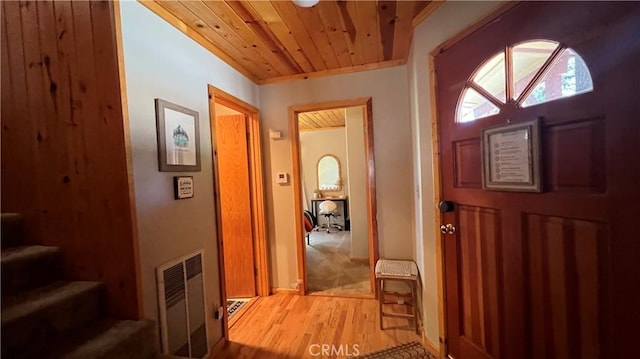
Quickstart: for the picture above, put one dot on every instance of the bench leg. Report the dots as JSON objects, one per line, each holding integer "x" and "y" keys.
{"x": 380, "y": 299}
{"x": 414, "y": 296}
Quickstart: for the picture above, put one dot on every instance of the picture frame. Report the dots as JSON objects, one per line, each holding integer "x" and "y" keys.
{"x": 178, "y": 135}
{"x": 182, "y": 187}
{"x": 511, "y": 157}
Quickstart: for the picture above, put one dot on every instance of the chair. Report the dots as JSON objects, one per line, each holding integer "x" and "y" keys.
{"x": 310, "y": 223}
{"x": 401, "y": 270}
{"x": 328, "y": 209}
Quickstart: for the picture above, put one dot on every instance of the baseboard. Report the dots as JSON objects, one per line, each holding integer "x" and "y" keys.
{"x": 217, "y": 348}
{"x": 360, "y": 260}
{"x": 431, "y": 348}
{"x": 284, "y": 290}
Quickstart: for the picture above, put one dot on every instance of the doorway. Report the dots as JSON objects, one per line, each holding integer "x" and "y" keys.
{"x": 541, "y": 274}
{"x": 239, "y": 197}
{"x": 334, "y": 186}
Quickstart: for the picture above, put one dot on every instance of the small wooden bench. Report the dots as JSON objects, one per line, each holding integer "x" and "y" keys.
{"x": 400, "y": 270}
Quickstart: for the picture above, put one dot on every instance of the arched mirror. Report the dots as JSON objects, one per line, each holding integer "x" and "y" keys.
{"x": 329, "y": 178}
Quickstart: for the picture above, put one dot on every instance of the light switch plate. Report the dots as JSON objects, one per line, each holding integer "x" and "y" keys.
{"x": 282, "y": 178}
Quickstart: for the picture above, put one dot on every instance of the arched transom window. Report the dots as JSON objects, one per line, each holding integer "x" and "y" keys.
{"x": 527, "y": 74}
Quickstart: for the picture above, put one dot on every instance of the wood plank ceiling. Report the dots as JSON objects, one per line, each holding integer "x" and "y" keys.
{"x": 274, "y": 41}
{"x": 315, "y": 120}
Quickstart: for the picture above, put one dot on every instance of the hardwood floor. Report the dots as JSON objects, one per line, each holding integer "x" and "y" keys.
{"x": 290, "y": 327}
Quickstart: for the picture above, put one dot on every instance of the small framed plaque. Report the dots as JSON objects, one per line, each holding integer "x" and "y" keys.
{"x": 511, "y": 157}
{"x": 182, "y": 187}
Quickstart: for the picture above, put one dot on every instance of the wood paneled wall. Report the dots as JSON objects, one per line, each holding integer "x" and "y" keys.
{"x": 64, "y": 161}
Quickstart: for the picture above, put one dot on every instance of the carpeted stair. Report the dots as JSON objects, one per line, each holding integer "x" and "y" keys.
{"x": 45, "y": 316}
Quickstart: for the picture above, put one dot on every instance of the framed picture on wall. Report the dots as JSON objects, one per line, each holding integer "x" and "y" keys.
{"x": 511, "y": 157}
{"x": 178, "y": 132}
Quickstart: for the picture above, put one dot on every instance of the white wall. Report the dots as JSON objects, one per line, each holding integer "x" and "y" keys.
{"x": 357, "y": 168}
{"x": 393, "y": 159}
{"x": 314, "y": 145}
{"x": 161, "y": 62}
{"x": 448, "y": 20}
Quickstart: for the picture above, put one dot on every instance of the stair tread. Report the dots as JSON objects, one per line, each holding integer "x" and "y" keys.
{"x": 21, "y": 252}
{"x": 100, "y": 338}
{"x": 20, "y": 305}
{"x": 12, "y": 230}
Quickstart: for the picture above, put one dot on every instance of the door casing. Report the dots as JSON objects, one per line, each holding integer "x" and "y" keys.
{"x": 261, "y": 255}
{"x": 370, "y": 188}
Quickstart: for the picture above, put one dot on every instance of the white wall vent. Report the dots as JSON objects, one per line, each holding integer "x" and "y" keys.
{"x": 182, "y": 307}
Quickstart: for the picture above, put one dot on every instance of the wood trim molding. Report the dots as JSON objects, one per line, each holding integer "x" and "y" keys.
{"x": 193, "y": 35}
{"x": 359, "y": 260}
{"x": 128, "y": 151}
{"x": 372, "y": 218}
{"x": 283, "y": 290}
{"x": 484, "y": 21}
{"x": 343, "y": 295}
{"x": 437, "y": 188}
{"x": 221, "y": 97}
{"x": 261, "y": 252}
{"x": 296, "y": 174}
{"x": 425, "y": 12}
{"x": 331, "y": 72}
{"x": 431, "y": 348}
{"x": 374, "y": 253}
{"x": 361, "y": 101}
{"x": 216, "y": 199}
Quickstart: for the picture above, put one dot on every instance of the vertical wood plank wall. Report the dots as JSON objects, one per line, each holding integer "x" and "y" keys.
{"x": 63, "y": 146}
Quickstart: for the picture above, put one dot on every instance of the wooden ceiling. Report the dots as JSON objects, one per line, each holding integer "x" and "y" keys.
{"x": 273, "y": 41}
{"x": 316, "y": 120}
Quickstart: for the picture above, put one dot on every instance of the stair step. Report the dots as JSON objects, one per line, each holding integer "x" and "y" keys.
{"x": 111, "y": 339}
{"x": 46, "y": 314}
{"x": 11, "y": 229}
{"x": 28, "y": 267}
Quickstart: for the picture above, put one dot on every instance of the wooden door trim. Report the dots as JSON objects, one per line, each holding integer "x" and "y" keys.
{"x": 484, "y": 21}
{"x": 129, "y": 153}
{"x": 218, "y": 96}
{"x": 437, "y": 197}
{"x": 437, "y": 170}
{"x": 372, "y": 206}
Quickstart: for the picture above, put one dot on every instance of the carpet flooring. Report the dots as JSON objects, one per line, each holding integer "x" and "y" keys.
{"x": 329, "y": 267}
{"x": 411, "y": 350}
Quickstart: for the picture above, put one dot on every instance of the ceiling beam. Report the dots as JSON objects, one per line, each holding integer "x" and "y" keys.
{"x": 338, "y": 71}
{"x": 387, "y": 21}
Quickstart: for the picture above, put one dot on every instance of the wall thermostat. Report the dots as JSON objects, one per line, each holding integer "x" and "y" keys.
{"x": 275, "y": 135}
{"x": 282, "y": 178}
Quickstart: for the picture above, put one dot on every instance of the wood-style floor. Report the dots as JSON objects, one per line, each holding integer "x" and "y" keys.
{"x": 289, "y": 326}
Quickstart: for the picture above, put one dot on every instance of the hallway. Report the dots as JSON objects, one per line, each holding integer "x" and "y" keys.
{"x": 329, "y": 266}
{"x": 287, "y": 326}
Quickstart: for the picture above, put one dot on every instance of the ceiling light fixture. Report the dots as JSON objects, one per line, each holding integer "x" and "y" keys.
{"x": 305, "y": 3}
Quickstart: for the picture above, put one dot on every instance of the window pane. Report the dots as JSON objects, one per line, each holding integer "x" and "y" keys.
{"x": 490, "y": 77}
{"x": 528, "y": 58}
{"x": 474, "y": 106}
{"x": 568, "y": 76}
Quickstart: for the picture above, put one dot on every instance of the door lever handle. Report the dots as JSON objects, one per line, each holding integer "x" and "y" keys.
{"x": 447, "y": 228}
